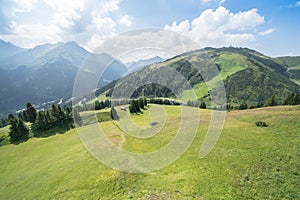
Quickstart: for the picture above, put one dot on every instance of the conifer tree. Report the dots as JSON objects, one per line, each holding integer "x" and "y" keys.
{"x": 202, "y": 105}
{"x": 272, "y": 101}
{"x": 22, "y": 129}
{"x": 243, "y": 106}
{"x": 40, "y": 122}
{"x": 141, "y": 103}
{"x": 61, "y": 116}
{"x": 68, "y": 114}
{"x": 18, "y": 130}
{"x": 55, "y": 115}
{"x": 31, "y": 113}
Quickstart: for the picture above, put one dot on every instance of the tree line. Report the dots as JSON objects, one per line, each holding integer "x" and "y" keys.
{"x": 137, "y": 105}
{"x": 292, "y": 99}
{"x": 40, "y": 121}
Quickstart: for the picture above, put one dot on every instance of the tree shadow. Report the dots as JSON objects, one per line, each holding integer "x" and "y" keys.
{"x": 20, "y": 141}
{"x": 53, "y": 131}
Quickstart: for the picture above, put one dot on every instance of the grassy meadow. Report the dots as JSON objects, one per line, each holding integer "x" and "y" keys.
{"x": 248, "y": 162}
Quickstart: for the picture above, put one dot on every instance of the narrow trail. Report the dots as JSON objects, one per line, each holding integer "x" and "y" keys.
{"x": 121, "y": 134}
{"x": 291, "y": 78}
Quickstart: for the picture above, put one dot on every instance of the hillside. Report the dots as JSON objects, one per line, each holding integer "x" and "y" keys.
{"x": 247, "y": 162}
{"x": 248, "y": 76}
{"x": 293, "y": 65}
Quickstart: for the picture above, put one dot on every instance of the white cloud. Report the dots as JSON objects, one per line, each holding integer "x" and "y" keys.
{"x": 220, "y": 27}
{"x": 86, "y": 22}
{"x": 298, "y": 3}
{"x": 30, "y": 35}
{"x": 209, "y": 1}
{"x": 23, "y": 5}
{"x": 266, "y": 32}
{"x": 111, "y": 5}
{"x": 100, "y": 29}
{"x": 65, "y": 13}
{"x": 222, "y": 2}
{"x": 126, "y": 20}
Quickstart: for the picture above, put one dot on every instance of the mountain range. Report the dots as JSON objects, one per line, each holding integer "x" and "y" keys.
{"x": 45, "y": 73}
{"x": 140, "y": 64}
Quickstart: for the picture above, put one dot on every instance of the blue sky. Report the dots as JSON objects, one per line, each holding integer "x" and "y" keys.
{"x": 269, "y": 26}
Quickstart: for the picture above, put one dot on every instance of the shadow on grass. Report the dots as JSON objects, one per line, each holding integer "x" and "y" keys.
{"x": 20, "y": 141}
{"x": 53, "y": 131}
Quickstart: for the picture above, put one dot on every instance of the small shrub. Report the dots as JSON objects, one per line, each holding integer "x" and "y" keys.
{"x": 261, "y": 124}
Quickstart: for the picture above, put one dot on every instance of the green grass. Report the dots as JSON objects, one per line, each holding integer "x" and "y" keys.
{"x": 248, "y": 162}
{"x": 230, "y": 62}
{"x": 296, "y": 74}
{"x": 4, "y": 135}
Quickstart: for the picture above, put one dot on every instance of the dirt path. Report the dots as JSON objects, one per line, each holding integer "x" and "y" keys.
{"x": 121, "y": 134}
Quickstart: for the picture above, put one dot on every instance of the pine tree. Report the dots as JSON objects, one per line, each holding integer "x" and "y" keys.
{"x": 287, "y": 101}
{"x": 145, "y": 101}
{"x": 49, "y": 122}
{"x": 141, "y": 103}
{"x": 18, "y": 130}
{"x": 54, "y": 115}
{"x": 20, "y": 116}
{"x": 107, "y": 103}
{"x": 31, "y": 113}
{"x": 97, "y": 105}
{"x": 25, "y": 118}
{"x": 243, "y": 106}
{"x": 10, "y": 118}
{"x": 137, "y": 106}
{"x": 40, "y": 122}
{"x": 293, "y": 99}
{"x": 22, "y": 129}
{"x": 272, "y": 101}
{"x": 203, "y": 105}
{"x": 132, "y": 107}
{"x": 61, "y": 116}
{"x": 13, "y": 130}
{"x": 297, "y": 100}
{"x": 68, "y": 114}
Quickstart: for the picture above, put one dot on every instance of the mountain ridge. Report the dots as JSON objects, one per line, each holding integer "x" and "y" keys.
{"x": 249, "y": 76}
{"x": 8, "y": 49}
{"x": 46, "y": 73}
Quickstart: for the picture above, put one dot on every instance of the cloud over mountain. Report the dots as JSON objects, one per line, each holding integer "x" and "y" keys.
{"x": 220, "y": 27}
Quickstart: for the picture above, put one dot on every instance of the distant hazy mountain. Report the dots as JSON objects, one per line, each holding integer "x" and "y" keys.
{"x": 135, "y": 66}
{"x": 47, "y": 72}
{"x": 8, "y": 49}
{"x": 44, "y": 54}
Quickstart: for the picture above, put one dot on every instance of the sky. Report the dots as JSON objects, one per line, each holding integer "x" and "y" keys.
{"x": 269, "y": 26}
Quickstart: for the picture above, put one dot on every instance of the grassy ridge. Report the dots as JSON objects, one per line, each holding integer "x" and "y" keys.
{"x": 248, "y": 76}
{"x": 247, "y": 162}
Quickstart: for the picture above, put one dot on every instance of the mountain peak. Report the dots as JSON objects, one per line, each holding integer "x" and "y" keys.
{"x": 8, "y": 49}
{"x": 43, "y": 54}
